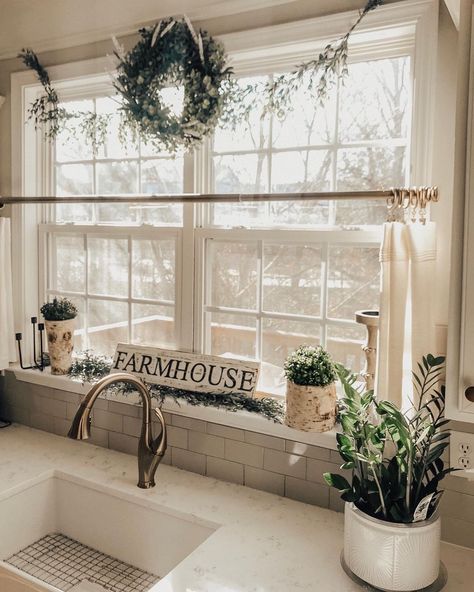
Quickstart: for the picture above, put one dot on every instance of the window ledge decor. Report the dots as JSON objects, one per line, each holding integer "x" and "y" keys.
{"x": 173, "y": 54}
{"x": 89, "y": 368}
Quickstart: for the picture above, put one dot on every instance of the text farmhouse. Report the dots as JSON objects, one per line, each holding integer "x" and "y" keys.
{"x": 193, "y": 372}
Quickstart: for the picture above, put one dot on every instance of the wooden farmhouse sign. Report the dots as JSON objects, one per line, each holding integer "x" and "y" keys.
{"x": 191, "y": 372}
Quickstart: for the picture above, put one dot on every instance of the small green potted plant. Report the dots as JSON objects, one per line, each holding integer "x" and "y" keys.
{"x": 310, "y": 390}
{"x": 59, "y": 316}
{"x": 392, "y": 528}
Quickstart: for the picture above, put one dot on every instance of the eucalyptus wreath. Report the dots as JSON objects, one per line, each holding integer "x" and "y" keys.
{"x": 173, "y": 54}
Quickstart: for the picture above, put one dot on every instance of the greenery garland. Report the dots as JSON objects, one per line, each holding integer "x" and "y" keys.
{"x": 90, "y": 368}
{"x": 173, "y": 53}
{"x": 52, "y": 118}
{"x": 317, "y": 76}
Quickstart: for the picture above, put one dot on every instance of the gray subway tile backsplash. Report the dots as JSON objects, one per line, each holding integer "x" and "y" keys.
{"x": 260, "y": 461}
{"x": 265, "y": 480}
{"x": 206, "y": 444}
{"x": 247, "y": 454}
{"x": 225, "y": 470}
{"x": 188, "y": 460}
{"x": 284, "y": 463}
{"x": 309, "y": 493}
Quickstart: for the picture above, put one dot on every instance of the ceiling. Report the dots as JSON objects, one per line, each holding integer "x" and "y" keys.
{"x": 54, "y": 24}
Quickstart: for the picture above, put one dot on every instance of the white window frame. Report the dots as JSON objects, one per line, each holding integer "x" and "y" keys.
{"x": 412, "y": 22}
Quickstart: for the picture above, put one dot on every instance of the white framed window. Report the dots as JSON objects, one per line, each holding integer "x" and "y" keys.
{"x": 246, "y": 280}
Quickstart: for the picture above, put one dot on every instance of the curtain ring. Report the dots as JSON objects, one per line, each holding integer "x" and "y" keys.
{"x": 401, "y": 205}
{"x": 413, "y": 202}
{"x": 422, "y": 203}
{"x": 392, "y": 200}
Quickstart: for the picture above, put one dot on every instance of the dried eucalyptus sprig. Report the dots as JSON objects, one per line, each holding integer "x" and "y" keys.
{"x": 90, "y": 367}
{"x": 45, "y": 110}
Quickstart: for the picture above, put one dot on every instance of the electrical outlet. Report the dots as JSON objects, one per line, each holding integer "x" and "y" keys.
{"x": 461, "y": 448}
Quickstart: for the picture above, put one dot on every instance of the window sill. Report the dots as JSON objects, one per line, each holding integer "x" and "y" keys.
{"x": 239, "y": 419}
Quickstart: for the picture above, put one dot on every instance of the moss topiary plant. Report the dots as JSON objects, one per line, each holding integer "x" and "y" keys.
{"x": 60, "y": 309}
{"x": 310, "y": 366}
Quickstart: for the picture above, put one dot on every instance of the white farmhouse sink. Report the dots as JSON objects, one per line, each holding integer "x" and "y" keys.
{"x": 120, "y": 525}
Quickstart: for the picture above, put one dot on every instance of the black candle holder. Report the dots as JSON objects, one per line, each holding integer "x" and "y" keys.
{"x": 44, "y": 358}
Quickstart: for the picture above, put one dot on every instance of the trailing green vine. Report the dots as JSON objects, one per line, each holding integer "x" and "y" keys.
{"x": 317, "y": 76}
{"x": 88, "y": 368}
{"x": 173, "y": 53}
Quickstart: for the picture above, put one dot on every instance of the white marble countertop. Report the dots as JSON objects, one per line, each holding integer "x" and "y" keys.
{"x": 266, "y": 543}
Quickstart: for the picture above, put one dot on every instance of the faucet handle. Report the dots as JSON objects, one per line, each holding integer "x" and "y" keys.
{"x": 161, "y": 442}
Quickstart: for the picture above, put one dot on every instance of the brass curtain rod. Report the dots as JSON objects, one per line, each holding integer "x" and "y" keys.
{"x": 431, "y": 194}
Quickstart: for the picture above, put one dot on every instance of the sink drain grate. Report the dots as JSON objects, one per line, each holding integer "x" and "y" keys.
{"x": 64, "y": 563}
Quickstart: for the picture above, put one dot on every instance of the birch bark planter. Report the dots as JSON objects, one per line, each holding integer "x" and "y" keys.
{"x": 60, "y": 344}
{"x": 392, "y": 557}
{"x": 310, "y": 408}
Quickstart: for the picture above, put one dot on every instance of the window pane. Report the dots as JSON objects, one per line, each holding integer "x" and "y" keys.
{"x": 233, "y": 271}
{"x": 117, "y": 178}
{"x": 245, "y": 214}
{"x": 74, "y": 179}
{"x": 345, "y": 343}
{"x": 374, "y": 100}
{"x": 370, "y": 168}
{"x": 281, "y": 337}
{"x": 361, "y": 212}
{"x": 164, "y": 175}
{"x": 80, "y": 337}
{"x": 307, "y": 124}
{"x": 108, "y": 266}
{"x": 301, "y": 171}
{"x": 70, "y": 263}
{"x": 108, "y": 325}
{"x": 114, "y": 148}
{"x": 292, "y": 279}
{"x": 243, "y": 173}
{"x": 299, "y": 213}
{"x": 232, "y": 334}
{"x": 74, "y": 213}
{"x": 153, "y": 269}
{"x": 251, "y": 130}
{"x": 153, "y": 325}
{"x": 70, "y": 143}
{"x": 353, "y": 281}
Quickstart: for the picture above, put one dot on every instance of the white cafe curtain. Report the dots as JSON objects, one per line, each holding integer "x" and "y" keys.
{"x": 406, "y": 326}
{"x": 7, "y": 337}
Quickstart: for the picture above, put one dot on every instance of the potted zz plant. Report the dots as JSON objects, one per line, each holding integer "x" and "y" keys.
{"x": 59, "y": 316}
{"x": 392, "y": 528}
{"x": 310, "y": 390}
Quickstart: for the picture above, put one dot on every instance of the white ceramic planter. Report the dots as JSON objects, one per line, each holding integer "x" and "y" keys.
{"x": 394, "y": 557}
{"x": 60, "y": 344}
{"x": 310, "y": 408}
